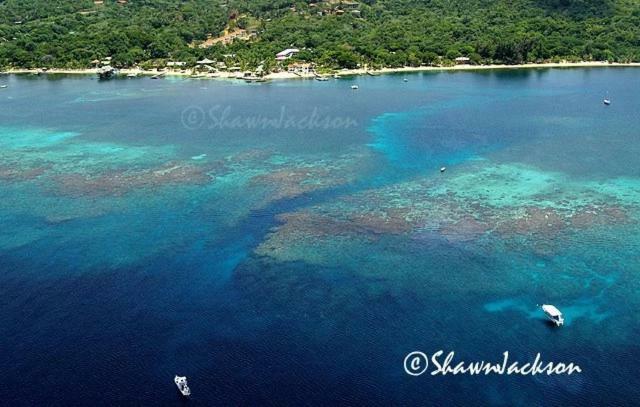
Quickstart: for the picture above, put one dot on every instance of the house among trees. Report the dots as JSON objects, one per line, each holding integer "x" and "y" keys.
{"x": 205, "y": 61}
{"x": 462, "y": 60}
{"x": 286, "y": 54}
{"x": 349, "y": 5}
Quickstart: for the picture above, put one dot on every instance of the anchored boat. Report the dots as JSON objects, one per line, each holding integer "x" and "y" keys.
{"x": 181, "y": 382}
{"x": 254, "y": 79}
{"x": 553, "y": 314}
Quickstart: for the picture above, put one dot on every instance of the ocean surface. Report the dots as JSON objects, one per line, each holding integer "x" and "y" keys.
{"x": 289, "y": 243}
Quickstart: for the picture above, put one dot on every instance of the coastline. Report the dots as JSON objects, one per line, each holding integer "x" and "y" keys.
{"x": 344, "y": 72}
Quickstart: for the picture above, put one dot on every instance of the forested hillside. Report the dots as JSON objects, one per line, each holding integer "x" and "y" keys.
{"x": 72, "y": 33}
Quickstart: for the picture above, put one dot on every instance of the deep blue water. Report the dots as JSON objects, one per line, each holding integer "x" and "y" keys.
{"x": 293, "y": 265}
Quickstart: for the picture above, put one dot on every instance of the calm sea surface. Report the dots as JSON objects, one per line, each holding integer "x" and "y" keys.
{"x": 290, "y": 243}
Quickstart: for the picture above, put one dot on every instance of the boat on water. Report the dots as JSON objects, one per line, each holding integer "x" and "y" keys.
{"x": 251, "y": 79}
{"x": 354, "y": 87}
{"x": 107, "y": 72}
{"x": 336, "y": 76}
{"x": 158, "y": 76}
{"x": 443, "y": 169}
{"x": 183, "y": 387}
{"x": 3, "y": 86}
{"x": 607, "y": 101}
{"x": 322, "y": 78}
{"x": 553, "y": 314}
{"x": 132, "y": 75}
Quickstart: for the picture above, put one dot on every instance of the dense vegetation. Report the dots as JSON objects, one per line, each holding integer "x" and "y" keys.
{"x": 72, "y": 33}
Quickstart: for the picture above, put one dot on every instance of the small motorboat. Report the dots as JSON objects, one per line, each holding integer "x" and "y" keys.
{"x": 322, "y": 78}
{"x": 336, "y": 76}
{"x": 406, "y": 80}
{"x": 3, "y": 86}
{"x": 181, "y": 382}
{"x": 253, "y": 79}
{"x": 443, "y": 169}
{"x": 607, "y": 101}
{"x": 553, "y": 314}
{"x": 354, "y": 87}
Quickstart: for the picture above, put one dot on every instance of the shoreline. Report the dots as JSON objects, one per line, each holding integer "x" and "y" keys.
{"x": 341, "y": 73}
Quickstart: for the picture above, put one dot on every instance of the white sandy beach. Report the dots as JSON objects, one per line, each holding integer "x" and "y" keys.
{"x": 344, "y": 72}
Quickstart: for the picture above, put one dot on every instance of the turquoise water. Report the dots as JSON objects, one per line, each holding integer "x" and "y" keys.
{"x": 159, "y": 227}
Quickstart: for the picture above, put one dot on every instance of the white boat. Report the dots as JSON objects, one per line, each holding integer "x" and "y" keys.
{"x": 406, "y": 80}
{"x": 553, "y": 314}
{"x": 181, "y": 382}
{"x": 336, "y": 76}
{"x": 607, "y": 101}
{"x": 354, "y": 87}
{"x": 132, "y": 75}
{"x": 443, "y": 169}
{"x": 3, "y": 86}
{"x": 253, "y": 78}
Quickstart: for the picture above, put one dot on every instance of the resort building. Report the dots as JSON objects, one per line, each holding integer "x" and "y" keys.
{"x": 301, "y": 68}
{"x": 286, "y": 54}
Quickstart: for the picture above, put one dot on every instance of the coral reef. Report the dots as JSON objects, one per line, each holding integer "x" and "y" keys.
{"x": 506, "y": 202}
{"x": 119, "y": 182}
